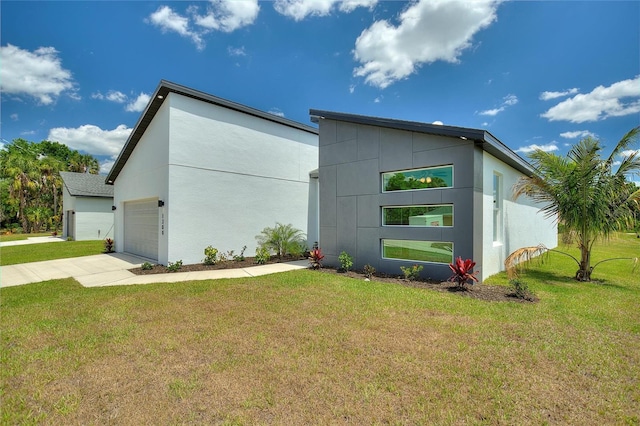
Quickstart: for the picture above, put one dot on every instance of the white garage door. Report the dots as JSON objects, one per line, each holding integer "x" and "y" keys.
{"x": 141, "y": 228}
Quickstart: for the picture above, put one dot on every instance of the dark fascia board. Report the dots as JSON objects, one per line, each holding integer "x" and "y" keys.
{"x": 160, "y": 94}
{"x": 481, "y": 138}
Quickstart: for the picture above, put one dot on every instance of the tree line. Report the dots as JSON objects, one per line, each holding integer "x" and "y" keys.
{"x": 31, "y": 186}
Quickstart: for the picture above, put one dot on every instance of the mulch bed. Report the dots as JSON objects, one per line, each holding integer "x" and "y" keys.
{"x": 490, "y": 293}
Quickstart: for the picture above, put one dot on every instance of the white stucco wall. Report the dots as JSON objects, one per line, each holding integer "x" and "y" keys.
{"x": 68, "y": 205}
{"x": 91, "y": 216}
{"x": 523, "y": 225}
{"x": 230, "y": 176}
{"x": 145, "y": 175}
{"x": 94, "y": 218}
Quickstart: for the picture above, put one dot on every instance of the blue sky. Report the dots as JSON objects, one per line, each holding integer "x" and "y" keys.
{"x": 535, "y": 74}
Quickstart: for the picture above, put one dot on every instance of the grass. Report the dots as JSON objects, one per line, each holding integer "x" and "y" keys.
{"x": 12, "y": 255}
{"x": 18, "y": 237}
{"x": 310, "y": 348}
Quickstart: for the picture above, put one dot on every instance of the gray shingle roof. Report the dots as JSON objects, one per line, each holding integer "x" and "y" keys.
{"x": 86, "y": 185}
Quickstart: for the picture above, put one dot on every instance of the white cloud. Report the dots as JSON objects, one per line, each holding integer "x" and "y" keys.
{"x": 112, "y": 95}
{"x": 378, "y": 99}
{"x": 577, "y": 134}
{"x": 92, "y": 139}
{"x": 38, "y": 74}
{"x": 492, "y": 112}
{"x": 545, "y": 96}
{"x": 352, "y": 88}
{"x": 601, "y": 103}
{"x": 546, "y": 148}
{"x": 507, "y": 101}
{"x": 106, "y": 165}
{"x": 116, "y": 96}
{"x": 428, "y": 31}
{"x": 14, "y": 117}
{"x": 510, "y": 100}
{"x": 300, "y": 9}
{"x": 629, "y": 152}
{"x": 616, "y": 163}
{"x": 220, "y": 15}
{"x": 236, "y": 51}
{"x": 276, "y": 111}
{"x": 169, "y": 21}
{"x": 139, "y": 104}
{"x": 228, "y": 16}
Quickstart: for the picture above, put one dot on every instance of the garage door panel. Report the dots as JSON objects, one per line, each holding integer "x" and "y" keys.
{"x": 141, "y": 228}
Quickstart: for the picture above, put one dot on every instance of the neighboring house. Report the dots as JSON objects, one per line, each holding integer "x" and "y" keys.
{"x": 87, "y": 204}
{"x": 396, "y": 193}
{"x": 198, "y": 170}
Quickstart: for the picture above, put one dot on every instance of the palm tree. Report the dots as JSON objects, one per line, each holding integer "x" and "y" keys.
{"x": 83, "y": 163}
{"x": 18, "y": 164}
{"x": 583, "y": 192}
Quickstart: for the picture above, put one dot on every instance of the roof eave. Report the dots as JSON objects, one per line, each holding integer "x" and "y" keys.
{"x": 481, "y": 138}
{"x": 157, "y": 99}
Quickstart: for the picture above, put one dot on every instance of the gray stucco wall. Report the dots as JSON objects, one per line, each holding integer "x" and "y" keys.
{"x": 352, "y": 158}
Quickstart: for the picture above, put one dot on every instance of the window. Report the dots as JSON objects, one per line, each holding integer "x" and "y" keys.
{"x": 497, "y": 208}
{"x": 425, "y": 216}
{"x": 421, "y": 251}
{"x": 407, "y": 180}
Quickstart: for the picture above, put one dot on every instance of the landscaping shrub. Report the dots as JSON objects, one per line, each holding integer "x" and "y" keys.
{"x": 520, "y": 289}
{"x": 315, "y": 258}
{"x": 411, "y": 273}
{"x": 240, "y": 257}
{"x": 368, "y": 271}
{"x": 174, "y": 266}
{"x": 346, "y": 261}
{"x": 281, "y": 239}
{"x": 210, "y": 256}
{"x": 146, "y": 266}
{"x": 463, "y": 272}
{"x": 262, "y": 255}
{"x": 108, "y": 245}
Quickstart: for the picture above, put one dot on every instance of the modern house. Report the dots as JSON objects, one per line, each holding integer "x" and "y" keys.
{"x": 396, "y": 193}
{"x": 87, "y": 202}
{"x": 198, "y": 170}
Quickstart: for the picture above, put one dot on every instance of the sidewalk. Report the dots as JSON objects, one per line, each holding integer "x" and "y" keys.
{"x": 112, "y": 269}
{"x": 32, "y": 240}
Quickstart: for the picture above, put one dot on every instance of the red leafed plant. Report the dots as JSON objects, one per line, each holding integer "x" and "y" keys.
{"x": 463, "y": 272}
{"x": 315, "y": 258}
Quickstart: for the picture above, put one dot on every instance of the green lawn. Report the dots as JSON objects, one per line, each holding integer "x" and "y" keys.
{"x": 17, "y": 237}
{"x": 305, "y": 347}
{"x": 12, "y": 255}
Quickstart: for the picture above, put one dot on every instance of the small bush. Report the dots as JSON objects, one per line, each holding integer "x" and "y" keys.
{"x": 520, "y": 289}
{"x": 262, "y": 255}
{"x": 108, "y": 245}
{"x": 315, "y": 258}
{"x": 240, "y": 257}
{"x": 298, "y": 248}
{"x": 282, "y": 239}
{"x": 146, "y": 266}
{"x": 226, "y": 256}
{"x": 463, "y": 272}
{"x": 411, "y": 273}
{"x": 346, "y": 261}
{"x": 174, "y": 266}
{"x": 368, "y": 271}
{"x": 210, "y": 256}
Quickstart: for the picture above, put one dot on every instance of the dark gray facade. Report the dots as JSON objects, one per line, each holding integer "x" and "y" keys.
{"x": 356, "y": 150}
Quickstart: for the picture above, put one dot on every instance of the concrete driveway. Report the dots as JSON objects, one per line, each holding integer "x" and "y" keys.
{"x": 112, "y": 269}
